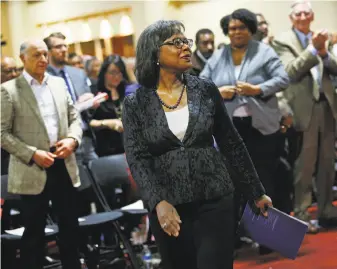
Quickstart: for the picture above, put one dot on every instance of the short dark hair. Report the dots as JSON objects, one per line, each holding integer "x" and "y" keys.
{"x": 47, "y": 40}
{"x": 118, "y": 61}
{"x": 88, "y": 64}
{"x": 146, "y": 68}
{"x": 72, "y": 55}
{"x": 247, "y": 17}
{"x": 202, "y": 32}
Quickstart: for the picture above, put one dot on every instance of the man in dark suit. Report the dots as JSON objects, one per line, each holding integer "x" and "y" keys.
{"x": 204, "y": 40}
{"x": 78, "y": 86}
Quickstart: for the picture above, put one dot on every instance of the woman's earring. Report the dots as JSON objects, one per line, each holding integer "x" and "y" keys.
{"x": 157, "y": 63}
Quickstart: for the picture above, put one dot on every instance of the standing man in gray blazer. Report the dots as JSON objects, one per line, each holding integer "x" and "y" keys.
{"x": 78, "y": 88}
{"x": 41, "y": 130}
{"x": 313, "y": 100}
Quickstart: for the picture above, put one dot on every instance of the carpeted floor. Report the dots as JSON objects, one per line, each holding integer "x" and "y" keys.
{"x": 317, "y": 252}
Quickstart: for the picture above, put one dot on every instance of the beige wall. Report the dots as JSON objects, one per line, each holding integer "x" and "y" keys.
{"x": 208, "y": 15}
{"x": 7, "y": 49}
{"x": 23, "y": 17}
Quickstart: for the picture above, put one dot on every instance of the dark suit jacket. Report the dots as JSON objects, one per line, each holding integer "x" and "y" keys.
{"x": 166, "y": 168}
{"x": 198, "y": 64}
{"x": 79, "y": 81}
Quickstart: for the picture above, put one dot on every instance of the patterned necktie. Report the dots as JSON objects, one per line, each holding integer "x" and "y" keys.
{"x": 72, "y": 94}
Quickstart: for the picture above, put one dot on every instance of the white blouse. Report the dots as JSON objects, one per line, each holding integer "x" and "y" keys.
{"x": 177, "y": 121}
{"x": 243, "y": 110}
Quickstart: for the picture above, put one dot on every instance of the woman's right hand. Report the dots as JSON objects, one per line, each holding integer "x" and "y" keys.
{"x": 168, "y": 218}
{"x": 115, "y": 124}
{"x": 227, "y": 92}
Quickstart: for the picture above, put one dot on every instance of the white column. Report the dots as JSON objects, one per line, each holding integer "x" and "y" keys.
{"x": 98, "y": 49}
{"x": 78, "y": 49}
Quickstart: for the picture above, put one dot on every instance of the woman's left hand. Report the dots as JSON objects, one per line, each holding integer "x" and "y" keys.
{"x": 247, "y": 89}
{"x": 263, "y": 203}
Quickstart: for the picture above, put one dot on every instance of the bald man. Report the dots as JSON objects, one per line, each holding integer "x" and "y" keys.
{"x": 40, "y": 128}
{"x": 8, "y": 69}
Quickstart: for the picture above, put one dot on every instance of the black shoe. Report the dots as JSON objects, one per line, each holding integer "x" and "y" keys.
{"x": 264, "y": 250}
{"x": 327, "y": 222}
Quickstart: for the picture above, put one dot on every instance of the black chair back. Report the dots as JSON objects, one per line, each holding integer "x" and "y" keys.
{"x": 4, "y": 190}
{"x": 110, "y": 171}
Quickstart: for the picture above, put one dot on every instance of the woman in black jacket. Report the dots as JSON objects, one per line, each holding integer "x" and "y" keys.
{"x": 169, "y": 125}
{"x": 106, "y": 120}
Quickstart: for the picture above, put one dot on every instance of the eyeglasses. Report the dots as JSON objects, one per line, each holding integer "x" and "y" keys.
{"x": 179, "y": 43}
{"x": 299, "y": 13}
{"x": 114, "y": 73}
{"x": 10, "y": 71}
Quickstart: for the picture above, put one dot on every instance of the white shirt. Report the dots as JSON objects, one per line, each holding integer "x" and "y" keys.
{"x": 46, "y": 105}
{"x": 243, "y": 110}
{"x": 177, "y": 121}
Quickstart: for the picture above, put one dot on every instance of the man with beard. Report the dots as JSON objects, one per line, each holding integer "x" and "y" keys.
{"x": 204, "y": 40}
{"x": 78, "y": 88}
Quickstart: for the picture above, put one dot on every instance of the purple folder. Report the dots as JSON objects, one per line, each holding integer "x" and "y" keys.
{"x": 279, "y": 231}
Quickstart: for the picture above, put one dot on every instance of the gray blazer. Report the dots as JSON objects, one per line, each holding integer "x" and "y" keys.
{"x": 23, "y": 132}
{"x": 261, "y": 66}
{"x": 304, "y": 90}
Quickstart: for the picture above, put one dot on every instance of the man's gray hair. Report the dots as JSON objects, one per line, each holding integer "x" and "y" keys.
{"x": 24, "y": 46}
{"x": 297, "y": 2}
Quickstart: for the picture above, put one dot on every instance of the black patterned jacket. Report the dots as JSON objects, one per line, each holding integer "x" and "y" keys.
{"x": 166, "y": 168}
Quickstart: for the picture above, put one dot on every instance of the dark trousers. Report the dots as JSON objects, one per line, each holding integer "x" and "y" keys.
{"x": 206, "y": 239}
{"x": 60, "y": 191}
{"x": 264, "y": 150}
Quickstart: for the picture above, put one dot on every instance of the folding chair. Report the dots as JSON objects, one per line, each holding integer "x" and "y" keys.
{"x": 123, "y": 249}
{"x": 111, "y": 172}
{"x": 10, "y": 238}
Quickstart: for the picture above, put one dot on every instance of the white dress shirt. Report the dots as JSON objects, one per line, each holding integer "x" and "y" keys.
{"x": 46, "y": 105}
{"x": 177, "y": 121}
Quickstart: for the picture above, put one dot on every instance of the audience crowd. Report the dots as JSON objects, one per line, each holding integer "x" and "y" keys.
{"x": 280, "y": 91}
